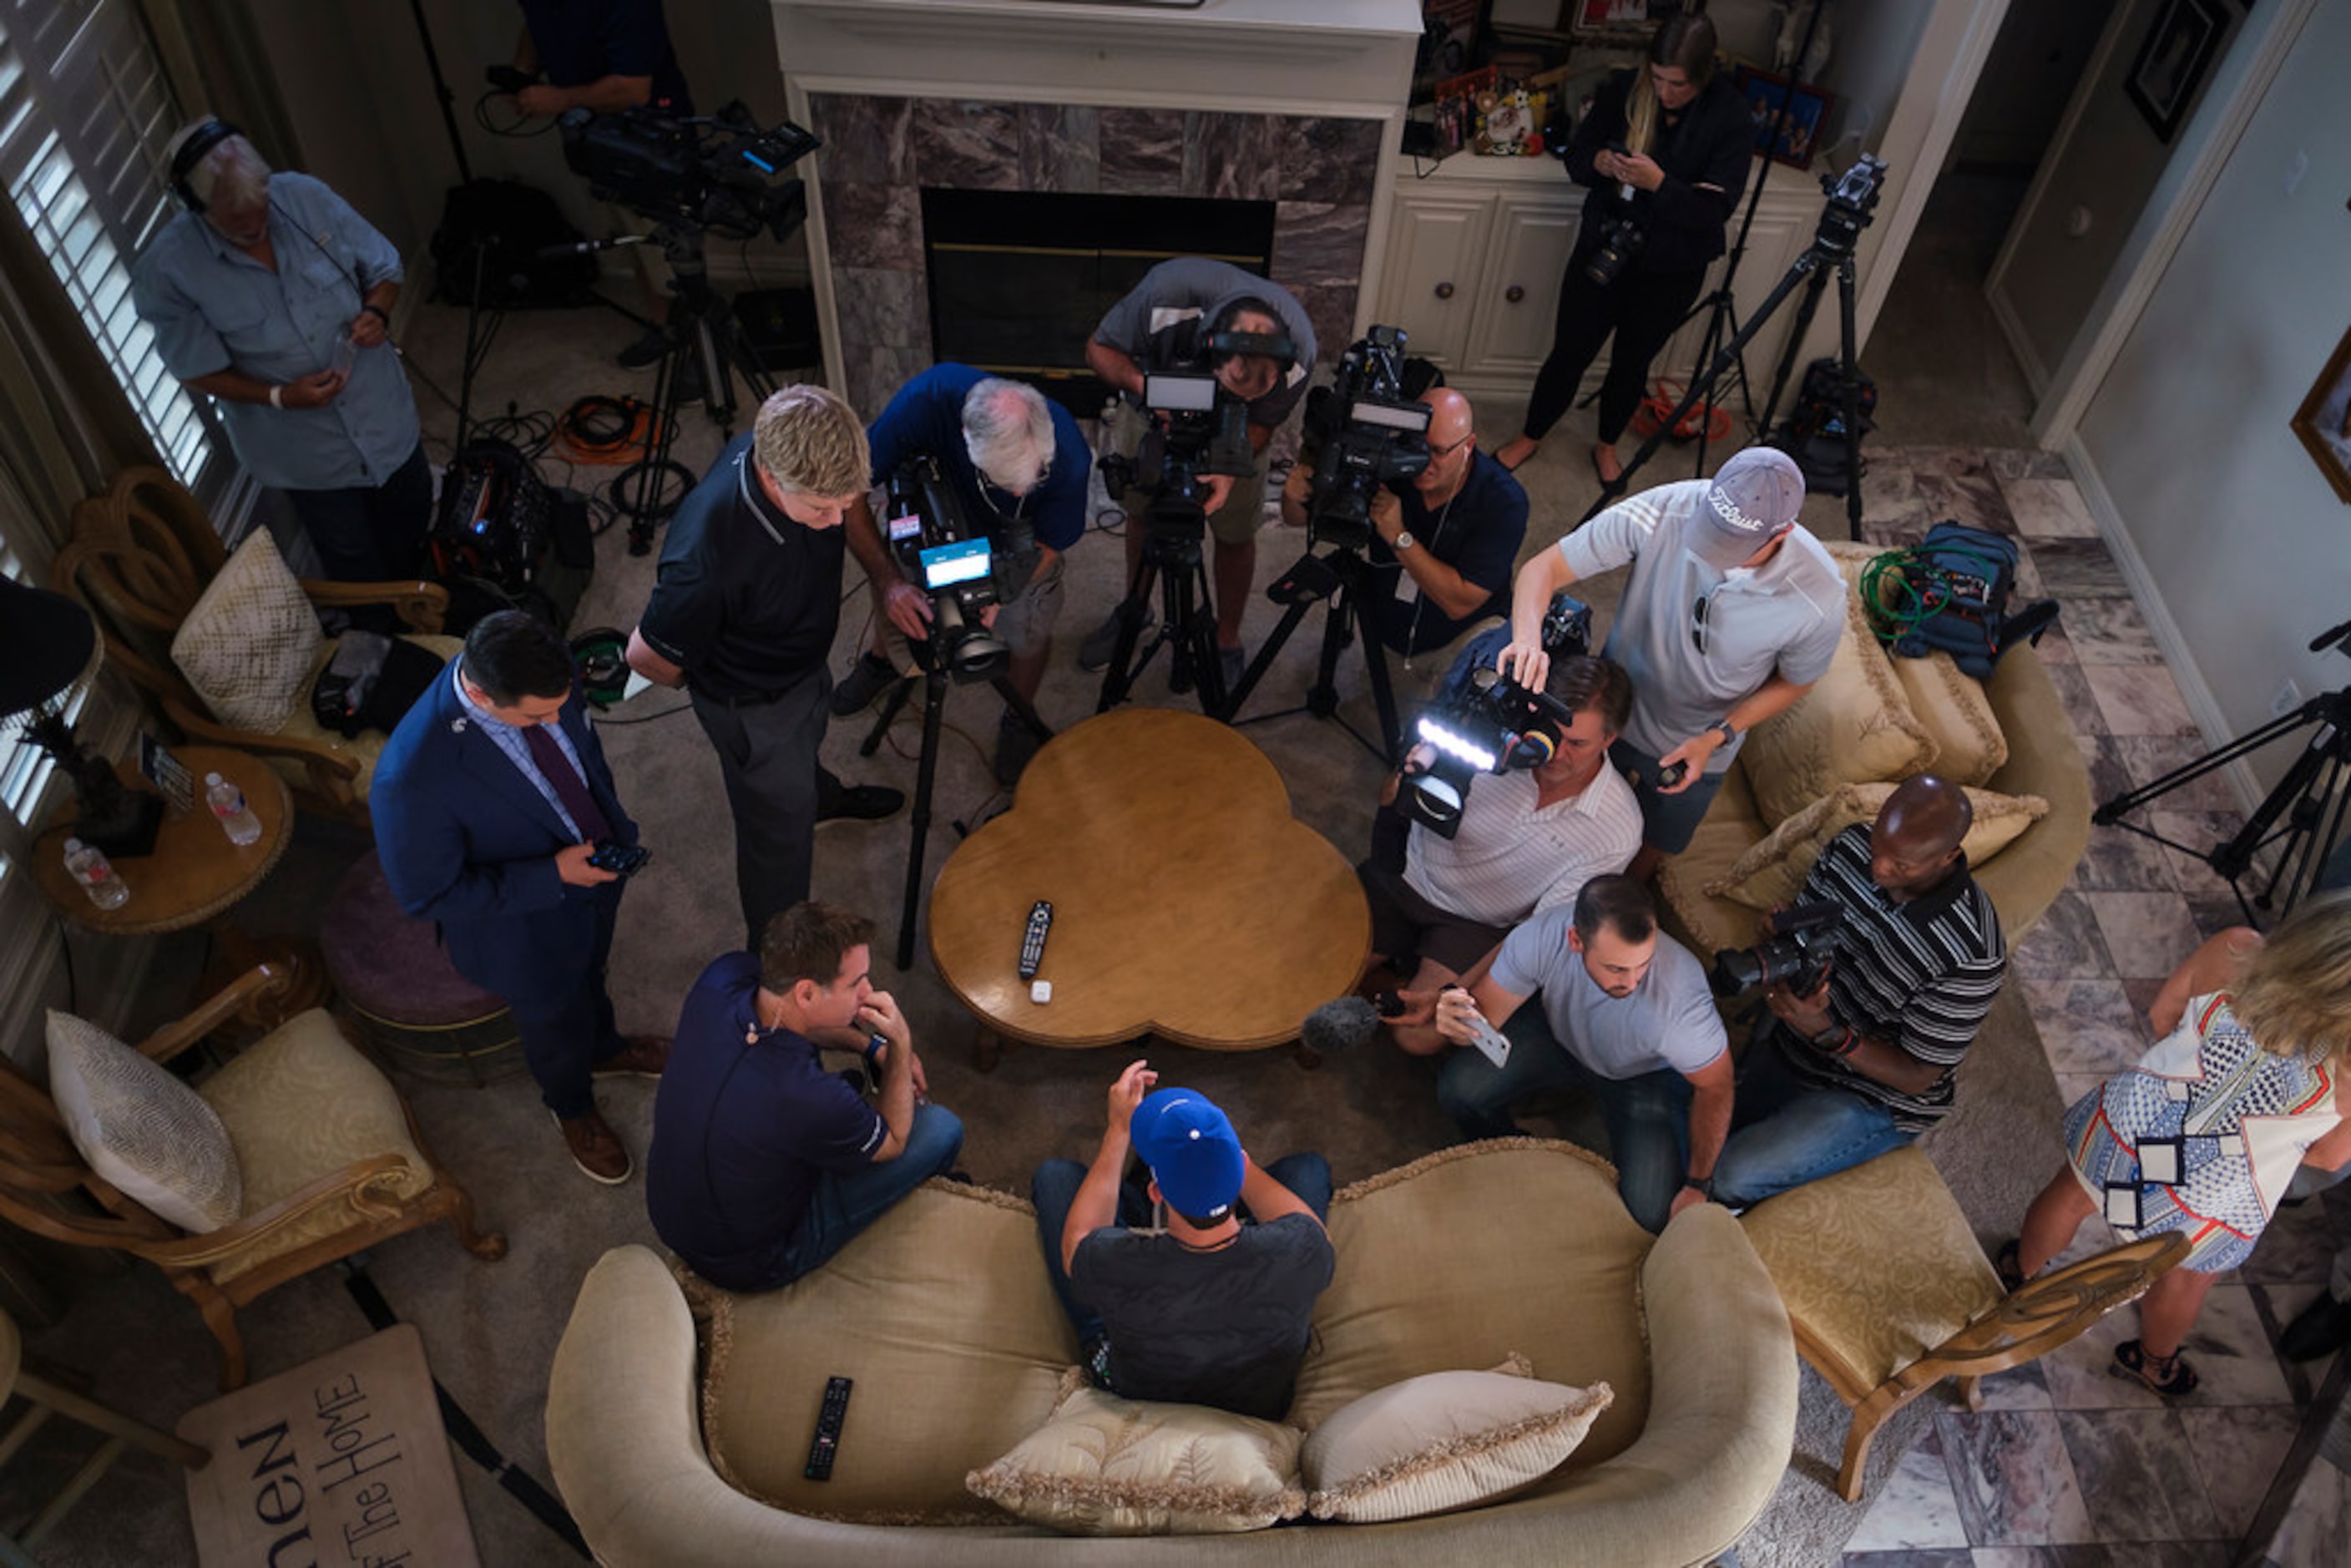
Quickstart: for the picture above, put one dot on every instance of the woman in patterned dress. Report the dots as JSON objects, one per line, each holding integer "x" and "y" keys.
{"x": 2203, "y": 1133}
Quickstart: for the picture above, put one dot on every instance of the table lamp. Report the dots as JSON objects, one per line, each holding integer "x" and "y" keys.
{"x": 46, "y": 644}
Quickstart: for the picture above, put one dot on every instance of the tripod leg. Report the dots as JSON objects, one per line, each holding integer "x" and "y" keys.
{"x": 1375, "y": 665}
{"x": 1022, "y": 708}
{"x": 934, "y": 699}
{"x": 891, "y": 707}
{"x": 1849, "y": 385}
{"x": 1199, "y": 637}
{"x": 1806, "y": 309}
{"x": 1291, "y": 614}
{"x": 1118, "y": 676}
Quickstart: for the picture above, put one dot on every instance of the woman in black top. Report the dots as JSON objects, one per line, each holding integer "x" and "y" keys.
{"x": 1687, "y": 142}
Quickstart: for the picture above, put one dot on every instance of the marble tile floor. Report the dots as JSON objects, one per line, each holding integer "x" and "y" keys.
{"x": 2066, "y": 1466}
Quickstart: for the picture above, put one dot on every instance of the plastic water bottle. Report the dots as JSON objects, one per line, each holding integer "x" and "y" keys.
{"x": 228, "y": 801}
{"x": 96, "y": 873}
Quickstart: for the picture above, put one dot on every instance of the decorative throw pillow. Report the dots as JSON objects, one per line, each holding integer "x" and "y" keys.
{"x": 1953, "y": 708}
{"x": 1772, "y": 871}
{"x": 142, "y": 1128}
{"x": 1443, "y": 1441}
{"x": 248, "y": 646}
{"x": 1107, "y": 1466}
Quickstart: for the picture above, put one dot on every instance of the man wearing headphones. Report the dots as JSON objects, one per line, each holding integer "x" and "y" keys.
{"x": 272, "y": 297}
{"x": 1189, "y": 313}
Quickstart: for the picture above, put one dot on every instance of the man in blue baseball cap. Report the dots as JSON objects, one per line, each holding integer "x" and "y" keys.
{"x": 1212, "y": 1305}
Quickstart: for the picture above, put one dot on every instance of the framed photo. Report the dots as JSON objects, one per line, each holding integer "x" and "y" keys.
{"x": 2323, "y": 422}
{"x": 1764, "y": 94}
{"x": 2171, "y": 63}
{"x": 1618, "y": 15}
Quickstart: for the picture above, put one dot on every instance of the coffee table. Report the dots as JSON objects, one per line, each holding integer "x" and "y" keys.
{"x": 1188, "y": 902}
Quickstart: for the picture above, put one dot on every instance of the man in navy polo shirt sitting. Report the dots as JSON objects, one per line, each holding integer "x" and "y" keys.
{"x": 763, "y": 1164}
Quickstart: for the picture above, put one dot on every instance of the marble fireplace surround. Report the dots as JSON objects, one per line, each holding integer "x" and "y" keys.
{"x": 1297, "y": 106}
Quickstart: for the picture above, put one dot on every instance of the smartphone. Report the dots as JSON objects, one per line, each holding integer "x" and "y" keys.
{"x": 624, "y": 860}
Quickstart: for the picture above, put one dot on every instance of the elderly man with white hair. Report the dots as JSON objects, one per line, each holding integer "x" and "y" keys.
{"x": 1018, "y": 465}
{"x": 272, "y": 297}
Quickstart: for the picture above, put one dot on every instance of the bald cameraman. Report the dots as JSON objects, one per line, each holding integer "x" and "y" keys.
{"x": 1192, "y": 314}
{"x": 1864, "y": 1063}
{"x": 1444, "y": 539}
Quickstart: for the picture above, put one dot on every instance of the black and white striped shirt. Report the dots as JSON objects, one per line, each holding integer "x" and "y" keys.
{"x": 1919, "y": 974}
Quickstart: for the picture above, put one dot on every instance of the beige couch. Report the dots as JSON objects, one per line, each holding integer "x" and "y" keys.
{"x": 676, "y": 1430}
{"x": 1878, "y": 718}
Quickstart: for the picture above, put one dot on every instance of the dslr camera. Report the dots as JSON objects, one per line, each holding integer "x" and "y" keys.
{"x": 1484, "y": 722}
{"x": 722, "y": 174}
{"x": 1804, "y": 938}
{"x": 1621, "y": 238}
{"x": 1359, "y": 433}
{"x": 939, "y": 552}
{"x": 1198, "y": 429}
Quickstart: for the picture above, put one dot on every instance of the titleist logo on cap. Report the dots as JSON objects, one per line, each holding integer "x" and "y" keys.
{"x": 1728, "y": 511}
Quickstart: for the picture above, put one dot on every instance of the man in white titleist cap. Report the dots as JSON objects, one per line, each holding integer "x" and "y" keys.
{"x": 1731, "y": 613}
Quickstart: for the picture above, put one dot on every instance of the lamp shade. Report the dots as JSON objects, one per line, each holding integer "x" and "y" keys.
{"x": 46, "y": 640}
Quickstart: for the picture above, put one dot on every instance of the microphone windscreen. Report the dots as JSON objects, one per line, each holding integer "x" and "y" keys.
{"x": 1341, "y": 1025}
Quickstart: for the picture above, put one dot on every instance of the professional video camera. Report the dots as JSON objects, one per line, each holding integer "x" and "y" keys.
{"x": 1196, "y": 429}
{"x": 1359, "y": 432}
{"x": 1804, "y": 938}
{"x": 1852, "y": 203}
{"x": 1484, "y": 722}
{"x": 720, "y": 173}
{"x": 939, "y": 553}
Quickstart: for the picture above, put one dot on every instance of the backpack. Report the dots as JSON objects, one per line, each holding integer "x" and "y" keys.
{"x": 1950, "y": 593}
{"x": 1813, "y": 431}
{"x": 499, "y": 229}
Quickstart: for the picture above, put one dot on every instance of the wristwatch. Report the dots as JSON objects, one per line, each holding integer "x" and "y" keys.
{"x": 1404, "y": 540}
{"x": 874, "y": 1046}
{"x": 1721, "y": 726}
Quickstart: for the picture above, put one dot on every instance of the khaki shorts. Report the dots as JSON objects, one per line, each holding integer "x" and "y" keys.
{"x": 1024, "y": 620}
{"x": 1233, "y": 523}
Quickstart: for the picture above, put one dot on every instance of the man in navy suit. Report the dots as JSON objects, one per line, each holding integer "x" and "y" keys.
{"x": 489, "y": 801}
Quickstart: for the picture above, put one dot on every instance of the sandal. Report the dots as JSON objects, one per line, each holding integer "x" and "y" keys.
{"x": 2169, "y": 1375}
{"x": 2009, "y": 1266}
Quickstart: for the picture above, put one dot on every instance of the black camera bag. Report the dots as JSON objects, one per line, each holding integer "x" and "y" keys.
{"x": 370, "y": 683}
{"x": 495, "y": 230}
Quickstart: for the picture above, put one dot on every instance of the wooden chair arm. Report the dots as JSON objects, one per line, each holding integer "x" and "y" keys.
{"x": 421, "y": 605}
{"x": 96, "y": 1230}
{"x": 323, "y": 761}
{"x": 242, "y": 997}
{"x": 214, "y": 1246}
{"x": 2049, "y": 1310}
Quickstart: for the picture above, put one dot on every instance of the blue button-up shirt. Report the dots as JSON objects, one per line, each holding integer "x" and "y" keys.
{"x": 508, "y": 739}
{"x": 213, "y": 307}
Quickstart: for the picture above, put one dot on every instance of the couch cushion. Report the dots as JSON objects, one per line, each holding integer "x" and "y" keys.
{"x": 140, "y": 1128}
{"x": 251, "y": 642}
{"x": 1459, "y": 1260}
{"x": 1854, "y": 726}
{"x": 1443, "y": 1441}
{"x": 1107, "y": 1466}
{"x": 1952, "y": 707}
{"x": 941, "y": 1304}
{"x": 300, "y": 1104}
{"x": 1772, "y": 871}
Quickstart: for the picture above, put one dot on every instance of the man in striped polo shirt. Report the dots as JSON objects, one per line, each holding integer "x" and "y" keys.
{"x": 1864, "y": 1064}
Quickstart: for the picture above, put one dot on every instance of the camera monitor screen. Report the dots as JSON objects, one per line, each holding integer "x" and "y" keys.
{"x": 1179, "y": 393}
{"x": 943, "y": 566}
{"x": 902, "y": 530}
{"x": 1413, "y": 417}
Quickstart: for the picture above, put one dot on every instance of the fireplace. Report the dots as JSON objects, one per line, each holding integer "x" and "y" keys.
{"x": 1284, "y": 107}
{"x": 1018, "y": 279}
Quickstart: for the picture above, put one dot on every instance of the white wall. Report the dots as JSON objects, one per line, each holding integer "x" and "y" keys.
{"x": 2237, "y": 536}
{"x": 1874, "y": 42}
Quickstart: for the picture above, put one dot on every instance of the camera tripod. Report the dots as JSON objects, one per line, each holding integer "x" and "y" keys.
{"x": 1338, "y": 581}
{"x": 705, "y": 349}
{"x": 2305, "y": 813}
{"x": 935, "y": 679}
{"x": 1187, "y": 619}
{"x": 1832, "y": 249}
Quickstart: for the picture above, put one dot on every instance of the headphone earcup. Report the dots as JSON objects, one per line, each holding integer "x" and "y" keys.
{"x": 191, "y": 151}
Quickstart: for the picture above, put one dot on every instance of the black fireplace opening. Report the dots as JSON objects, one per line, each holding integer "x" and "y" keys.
{"x": 1019, "y": 279}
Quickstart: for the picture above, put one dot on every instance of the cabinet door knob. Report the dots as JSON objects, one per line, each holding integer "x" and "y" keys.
{"x": 1514, "y": 294}
{"x": 1445, "y": 290}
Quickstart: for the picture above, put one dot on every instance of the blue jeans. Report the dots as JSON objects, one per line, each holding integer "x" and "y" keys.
{"x": 1786, "y": 1131}
{"x": 1648, "y": 1117}
{"x": 844, "y": 1204}
{"x": 1053, "y": 1191}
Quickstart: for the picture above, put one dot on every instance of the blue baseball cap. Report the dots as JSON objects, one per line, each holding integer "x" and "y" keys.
{"x": 1192, "y": 1150}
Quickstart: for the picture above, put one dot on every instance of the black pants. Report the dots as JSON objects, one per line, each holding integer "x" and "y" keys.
{"x": 1641, "y": 307}
{"x": 371, "y": 533}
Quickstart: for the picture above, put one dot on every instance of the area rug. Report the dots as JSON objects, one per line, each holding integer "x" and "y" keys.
{"x": 342, "y": 1459}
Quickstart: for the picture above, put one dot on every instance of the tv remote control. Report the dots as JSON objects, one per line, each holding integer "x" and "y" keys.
{"x": 828, "y": 1429}
{"x": 1033, "y": 942}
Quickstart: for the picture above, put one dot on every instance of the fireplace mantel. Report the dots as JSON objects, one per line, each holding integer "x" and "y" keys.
{"x": 1301, "y": 99}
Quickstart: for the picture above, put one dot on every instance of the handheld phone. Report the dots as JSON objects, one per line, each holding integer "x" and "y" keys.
{"x": 622, "y": 859}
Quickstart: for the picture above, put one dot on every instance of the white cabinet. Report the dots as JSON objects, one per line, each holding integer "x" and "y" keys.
{"x": 1476, "y": 248}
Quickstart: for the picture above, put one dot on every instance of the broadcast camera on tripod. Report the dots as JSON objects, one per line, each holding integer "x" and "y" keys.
{"x": 718, "y": 175}
{"x": 1198, "y": 430}
{"x": 1360, "y": 434}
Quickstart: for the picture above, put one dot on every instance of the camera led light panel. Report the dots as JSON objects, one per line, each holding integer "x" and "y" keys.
{"x": 1413, "y": 417}
{"x": 943, "y": 566}
{"x": 1179, "y": 393}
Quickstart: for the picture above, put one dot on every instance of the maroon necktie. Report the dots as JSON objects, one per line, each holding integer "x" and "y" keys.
{"x": 569, "y": 788}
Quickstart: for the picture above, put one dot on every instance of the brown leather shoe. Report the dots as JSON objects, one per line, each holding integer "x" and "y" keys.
{"x": 595, "y": 1148}
{"x": 644, "y": 1057}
